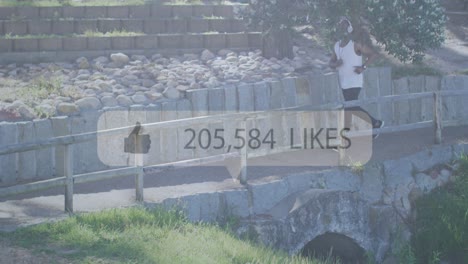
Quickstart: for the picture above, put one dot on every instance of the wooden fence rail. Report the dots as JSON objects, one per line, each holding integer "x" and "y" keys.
{"x": 68, "y": 141}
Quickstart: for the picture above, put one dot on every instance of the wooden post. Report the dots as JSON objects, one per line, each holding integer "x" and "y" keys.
{"x": 243, "y": 155}
{"x": 140, "y": 174}
{"x": 68, "y": 169}
{"x": 437, "y": 118}
{"x": 341, "y": 126}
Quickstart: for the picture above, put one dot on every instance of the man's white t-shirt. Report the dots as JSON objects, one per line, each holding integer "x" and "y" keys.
{"x": 348, "y": 78}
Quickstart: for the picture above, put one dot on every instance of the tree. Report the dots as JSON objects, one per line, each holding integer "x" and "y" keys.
{"x": 405, "y": 28}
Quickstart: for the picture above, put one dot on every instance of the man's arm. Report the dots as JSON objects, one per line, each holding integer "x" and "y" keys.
{"x": 367, "y": 53}
{"x": 334, "y": 62}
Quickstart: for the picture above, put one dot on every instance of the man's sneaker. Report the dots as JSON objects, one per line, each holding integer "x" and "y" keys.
{"x": 380, "y": 125}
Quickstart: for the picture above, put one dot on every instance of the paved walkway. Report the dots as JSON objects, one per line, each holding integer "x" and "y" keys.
{"x": 46, "y": 205}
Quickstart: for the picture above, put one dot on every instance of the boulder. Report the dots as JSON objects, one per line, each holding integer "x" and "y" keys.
{"x": 124, "y": 100}
{"x": 67, "y": 108}
{"x": 89, "y": 103}
{"x": 82, "y": 63}
{"x": 172, "y": 93}
{"x": 207, "y": 55}
{"x": 119, "y": 58}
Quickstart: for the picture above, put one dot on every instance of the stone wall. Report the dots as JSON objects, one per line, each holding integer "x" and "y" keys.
{"x": 43, "y": 34}
{"x": 311, "y": 89}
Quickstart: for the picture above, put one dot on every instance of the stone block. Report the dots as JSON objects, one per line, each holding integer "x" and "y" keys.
{"x": 132, "y": 25}
{"x": 154, "y": 26}
{"x": 15, "y": 27}
{"x": 220, "y": 25}
{"x": 44, "y": 157}
{"x": 230, "y": 99}
{"x": 182, "y": 11}
{"x": 7, "y": 12}
{"x": 372, "y": 183}
{"x": 246, "y": 97}
{"x": 214, "y": 41}
{"x": 8, "y": 136}
{"x": 50, "y": 12}
{"x": 332, "y": 88}
{"x": 401, "y": 108}
{"x": 170, "y": 41}
{"x": 6, "y": 45}
{"x": 341, "y": 180}
{"x": 63, "y": 27}
{"x": 161, "y": 11}
{"x": 237, "y": 40}
{"x": 123, "y": 43}
{"x": 237, "y": 202}
{"x": 27, "y": 12}
{"x": 75, "y": 44}
{"x": 238, "y": 25}
{"x": 225, "y": 11}
{"x": 117, "y": 11}
{"x": 385, "y": 87}
{"x": 139, "y": 11}
{"x": 95, "y": 12}
{"x": 61, "y": 127}
{"x": 416, "y": 85}
{"x": 276, "y": 95}
{"x": 26, "y": 45}
{"x": 255, "y": 40}
{"x": 73, "y": 11}
{"x": 146, "y": 42}
{"x": 432, "y": 84}
{"x": 425, "y": 160}
{"x": 262, "y": 96}
{"x": 303, "y": 91}
{"x": 203, "y": 11}
{"x": 198, "y": 25}
{"x": 50, "y": 44}
{"x": 454, "y": 107}
{"x": 199, "y": 100}
{"x": 153, "y": 115}
{"x": 267, "y": 195}
{"x": 216, "y": 101}
{"x": 316, "y": 87}
{"x": 99, "y": 43}
{"x": 193, "y": 41}
{"x": 174, "y": 26}
{"x": 184, "y": 110}
{"x": 398, "y": 172}
{"x": 289, "y": 92}
{"x": 81, "y": 26}
{"x": 168, "y": 137}
{"x": 40, "y": 27}
{"x": 88, "y": 159}
{"x": 109, "y": 25}
{"x": 26, "y": 160}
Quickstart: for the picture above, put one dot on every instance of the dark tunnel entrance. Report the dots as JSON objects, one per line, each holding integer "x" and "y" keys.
{"x": 336, "y": 246}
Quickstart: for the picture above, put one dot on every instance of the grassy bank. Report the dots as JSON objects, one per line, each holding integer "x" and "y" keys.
{"x": 138, "y": 235}
{"x": 441, "y": 224}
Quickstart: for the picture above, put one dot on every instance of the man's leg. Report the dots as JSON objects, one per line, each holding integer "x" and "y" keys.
{"x": 352, "y": 94}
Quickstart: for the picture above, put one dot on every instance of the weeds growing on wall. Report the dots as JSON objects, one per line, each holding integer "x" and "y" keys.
{"x": 441, "y": 230}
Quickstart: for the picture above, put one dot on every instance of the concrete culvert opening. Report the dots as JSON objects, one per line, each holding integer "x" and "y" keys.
{"x": 336, "y": 246}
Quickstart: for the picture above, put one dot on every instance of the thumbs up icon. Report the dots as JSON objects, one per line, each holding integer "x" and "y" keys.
{"x": 136, "y": 143}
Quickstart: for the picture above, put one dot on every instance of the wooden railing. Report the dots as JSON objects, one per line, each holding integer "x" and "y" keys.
{"x": 69, "y": 179}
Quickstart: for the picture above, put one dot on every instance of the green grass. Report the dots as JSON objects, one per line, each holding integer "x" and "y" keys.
{"x": 138, "y": 235}
{"x": 441, "y": 226}
{"x": 115, "y": 33}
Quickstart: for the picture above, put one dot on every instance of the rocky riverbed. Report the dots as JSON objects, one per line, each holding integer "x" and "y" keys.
{"x": 32, "y": 91}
